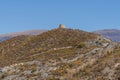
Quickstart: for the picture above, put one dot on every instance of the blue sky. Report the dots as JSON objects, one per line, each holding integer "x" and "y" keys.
{"x": 89, "y": 15}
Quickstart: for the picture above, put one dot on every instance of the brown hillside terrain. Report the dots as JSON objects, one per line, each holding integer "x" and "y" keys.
{"x": 24, "y": 46}
{"x": 60, "y": 54}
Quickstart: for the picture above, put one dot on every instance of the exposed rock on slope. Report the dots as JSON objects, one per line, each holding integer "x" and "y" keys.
{"x": 60, "y": 54}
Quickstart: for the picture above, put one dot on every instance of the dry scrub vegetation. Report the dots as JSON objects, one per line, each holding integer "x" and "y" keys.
{"x": 60, "y": 54}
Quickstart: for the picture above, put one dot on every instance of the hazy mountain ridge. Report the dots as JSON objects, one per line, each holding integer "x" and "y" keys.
{"x": 112, "y": 34}
{"x": 11, "y": 35}
{"x": 60, "y": 54}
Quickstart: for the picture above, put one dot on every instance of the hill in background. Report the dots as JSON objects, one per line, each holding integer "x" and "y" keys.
{"x": 11, "y": 35}
{"x": 112, "y": 34}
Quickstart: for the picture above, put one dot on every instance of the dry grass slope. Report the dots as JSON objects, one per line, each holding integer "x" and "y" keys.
{"x": 60, "y": 54}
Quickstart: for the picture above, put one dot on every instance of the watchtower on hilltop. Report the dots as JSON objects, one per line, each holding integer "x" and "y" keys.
{"x": 62, "y": 26}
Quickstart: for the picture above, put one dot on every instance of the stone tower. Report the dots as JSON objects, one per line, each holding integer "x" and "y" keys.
{"x": 62, "y": 26}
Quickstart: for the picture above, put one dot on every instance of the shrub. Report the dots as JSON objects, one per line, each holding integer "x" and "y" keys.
{"x": 81, "y": 45}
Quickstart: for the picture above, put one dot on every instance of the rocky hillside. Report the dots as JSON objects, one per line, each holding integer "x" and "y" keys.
{"x": 60, "y": 54}
{"x": 11, "y": 35}
{"x": 112, "y": 34}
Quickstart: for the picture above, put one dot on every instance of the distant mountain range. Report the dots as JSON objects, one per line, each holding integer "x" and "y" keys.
{"x": 11, "y": 35}
{"x": 112, "y": 34}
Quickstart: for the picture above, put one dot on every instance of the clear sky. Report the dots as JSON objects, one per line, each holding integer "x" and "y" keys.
{"x": 89, "y": 15}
